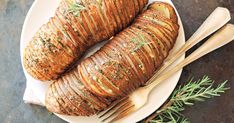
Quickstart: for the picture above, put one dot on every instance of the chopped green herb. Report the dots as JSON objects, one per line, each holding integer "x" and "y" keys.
{"x": 100, "y": 2}
{"x": 99, "y": 70}
{"x": 75, "y": 8}
{"x": 59, "y": 38}
{"x": 50, "y": 45}
{"x": 35, "y": 61}
{"x": 140, "y": 41}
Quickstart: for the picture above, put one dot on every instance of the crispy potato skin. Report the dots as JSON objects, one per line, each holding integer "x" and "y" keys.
{"x": 75, "y": 27}
{"x": 119, "y": 67}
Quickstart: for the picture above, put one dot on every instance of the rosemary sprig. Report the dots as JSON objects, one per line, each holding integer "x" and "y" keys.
{"x": 187, "y": 95}
{"x": 75, "y": 8}
{"x": 140, "y": 41}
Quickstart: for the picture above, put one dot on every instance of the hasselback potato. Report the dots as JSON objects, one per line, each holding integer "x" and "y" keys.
{"x": 76, "y": 26}
{"x": 119, "y": 67}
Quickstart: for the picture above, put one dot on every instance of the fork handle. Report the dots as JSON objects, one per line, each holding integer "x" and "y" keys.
{"x": 219, "y": 39}
{"x": 215, "y": 21}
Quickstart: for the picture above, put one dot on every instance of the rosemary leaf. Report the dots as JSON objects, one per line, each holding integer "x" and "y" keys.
{"x": 140, "y": 41}
{"x": 75, "y": 8}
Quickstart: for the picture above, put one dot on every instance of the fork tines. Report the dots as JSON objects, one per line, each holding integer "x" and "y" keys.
{"x": 117, "y": 110}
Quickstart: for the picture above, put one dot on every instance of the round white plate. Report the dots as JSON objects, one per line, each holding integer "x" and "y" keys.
{"x": 39, "y": 14}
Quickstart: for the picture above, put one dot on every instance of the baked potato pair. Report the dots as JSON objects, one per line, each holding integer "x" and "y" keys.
{"x": 119, "y": 67}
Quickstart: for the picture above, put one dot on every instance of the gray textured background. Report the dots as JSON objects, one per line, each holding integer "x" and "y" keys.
{"x": 219, "y": 65}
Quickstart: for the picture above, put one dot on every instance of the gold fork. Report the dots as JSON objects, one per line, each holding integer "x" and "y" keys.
{"x": 207, "y": 28}
{"x": 139, "y": 98}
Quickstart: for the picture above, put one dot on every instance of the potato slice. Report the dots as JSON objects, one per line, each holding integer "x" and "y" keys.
{"x": 135, "y": 58}
{"x": 150, "y": 47}
{"x": 93, "y": 104}
{"x": 107, "y": 19}
{"x": 141, "y": 3}
{"x": 131, "y": 12}
{"x": 63, "y": 96}
{"x": 85, "y": 27}
{"x": 56, "y": 103}
{"x": 60, "y": 100}
{"x": 50, "y": 52}
{"x": 52, "y": 104}
{"x": 90, "y": 17}
{"x": 90, "y": 79}
{"x": 103, "y": 102}
{"x": 142, "y": 43}
{"x": 162, "y": 39}
{"x": 115, "y": 13}
{"x": 127, "y": 55}
{"x": 116, "y": 69}
{"x": 46, "y": 53}
{"x": 136, "y": 6}
{"x": 77, "y": 41}
{"x": 28, "y": 64}
{"x": 100, "y": 30}
{"x": 164, "y": 42}
{"x": 109, "y": 16}
{"x": 62, "y": 14}
{"x": 68, "y": 33}
{"x": 108, "y": 27}
{"x": 96, "y": 78}
{"x": 65, "y": 58}
{"x": 75, "y": 99}
{"x": 71, "y": 110}
{"x": 61, "y": 32}
{"x": 128, "y": 14}
{"x": 114, "y": 53}
{"x": 122, "y": 13}
{"x": 167, "y": 35}
{"x": 59, "y": 37}
{"x": 89, "y": 23}
{"x": 166, "y": 9}
{"x": 158, "y": 56}
{"x": 156, "y": 17}
{"x": 99, "y": 67}
{"x": 37, "y": 53}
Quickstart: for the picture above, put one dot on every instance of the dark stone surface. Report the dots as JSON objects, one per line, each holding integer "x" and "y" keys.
{"x": 219, "y": 65}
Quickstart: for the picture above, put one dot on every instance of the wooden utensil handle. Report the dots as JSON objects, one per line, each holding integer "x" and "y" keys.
{"x": 219, "y": 17}
{"x": 219, "y": 39}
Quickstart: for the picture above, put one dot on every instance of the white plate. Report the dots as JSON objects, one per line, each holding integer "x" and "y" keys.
{"x": 39, "y": 14}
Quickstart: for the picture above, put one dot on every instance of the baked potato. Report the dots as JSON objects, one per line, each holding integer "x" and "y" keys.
{"x": 76, "y": 26}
